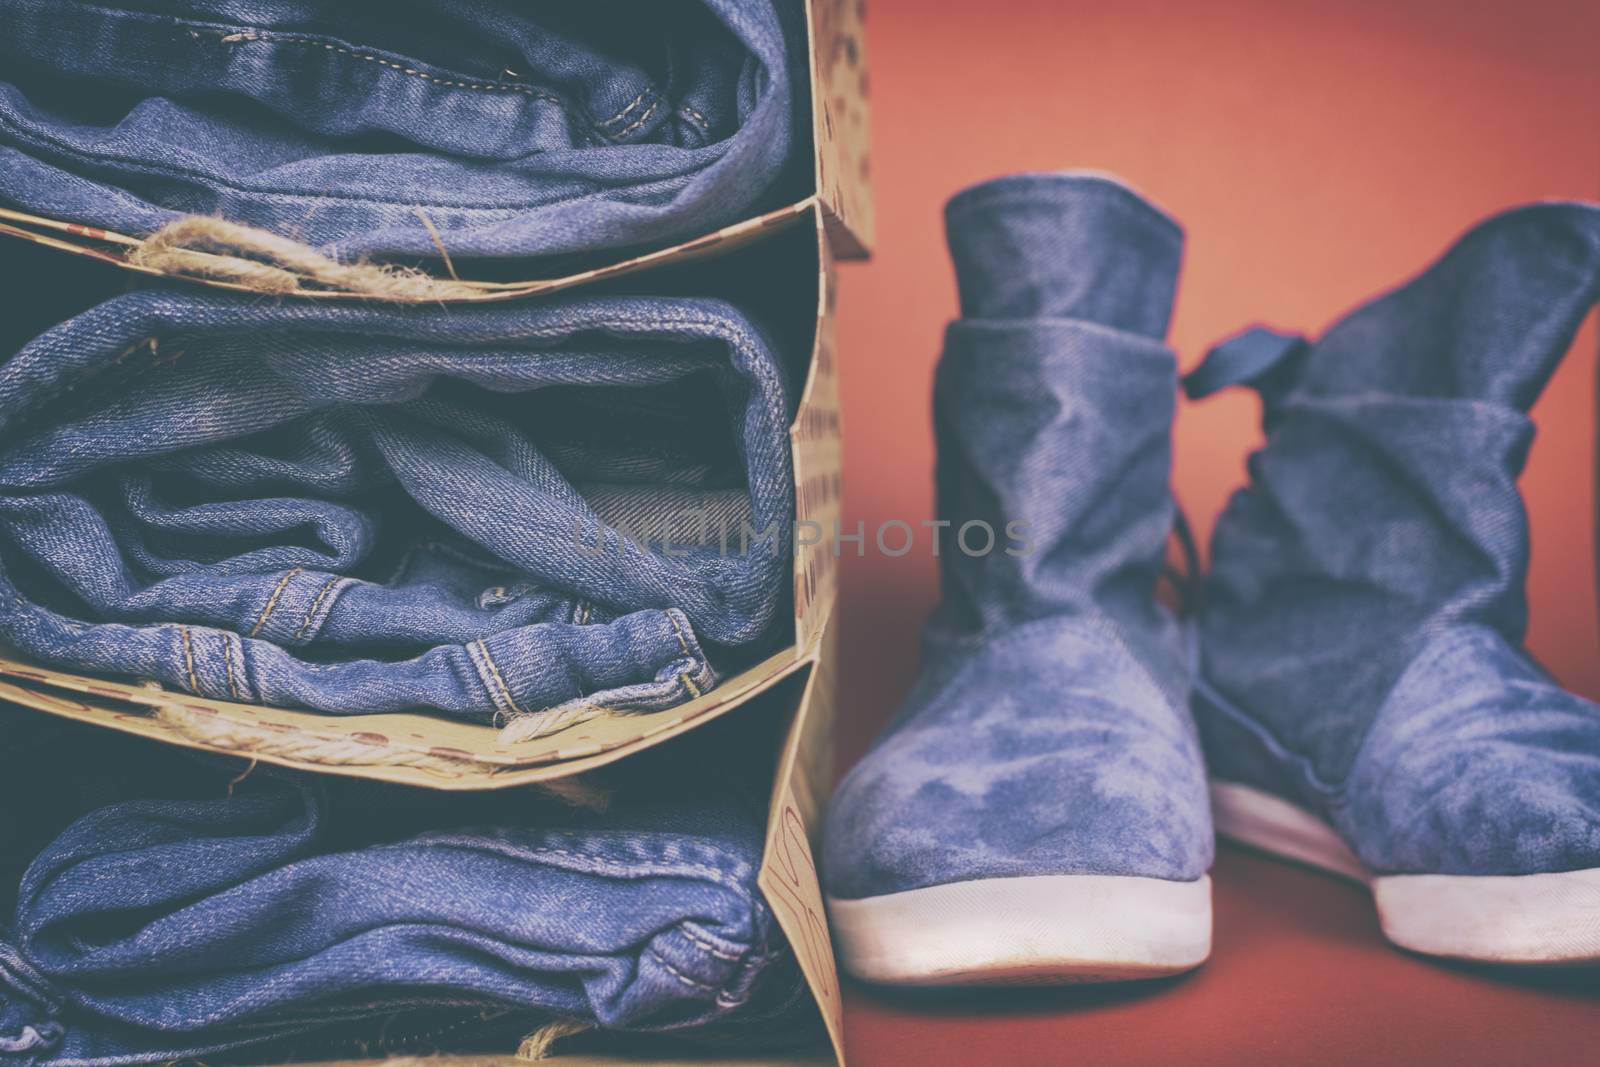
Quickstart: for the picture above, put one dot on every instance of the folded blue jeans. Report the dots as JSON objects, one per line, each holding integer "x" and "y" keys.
{"x": 513, "y": 129}
{"x": 489, "y": 512}
{"x": 292, "y": 908}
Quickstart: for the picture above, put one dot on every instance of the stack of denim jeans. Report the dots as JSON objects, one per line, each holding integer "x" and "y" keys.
{"x": 507, "y": 513}
{"x": 488, "y": 512}
{"x": 166, "y": 913}
{"x": 492, "y": 128}
{"x": 353, "y": 509}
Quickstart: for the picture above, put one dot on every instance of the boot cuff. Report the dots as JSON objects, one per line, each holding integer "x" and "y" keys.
{"x": 1064, "y": 246}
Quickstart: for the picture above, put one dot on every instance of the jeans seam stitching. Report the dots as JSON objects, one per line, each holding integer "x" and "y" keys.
{"x": 312, "y": 42}
{"x": 633, "y": 104}
{"x": 683, "y": 676}
{"x": 272, "y": 601}
{"x": 316, "y": 603}
{"x": 704, "y": 987}
{"x": 501, "y": 211}
{"x": 602, "y": 861}
{"x": 699, "y": 119}
{"x": 640, "y": 121}
{"x": 188, "y": 660}
{"x": 705, "y": 942}
{"x": 476, "y": 659}
{"x": 499, "y": 679}
{"x": 303, "y": 41}
{"x": 227, "y": 662}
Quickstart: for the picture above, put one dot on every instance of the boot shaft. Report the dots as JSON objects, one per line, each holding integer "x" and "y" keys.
{"x": 1384, "y": 506}
{"x": 1053, "y": 405}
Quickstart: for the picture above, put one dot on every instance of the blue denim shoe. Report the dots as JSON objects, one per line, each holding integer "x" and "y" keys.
{"x": 1036, "y": 811}
{"x": 1366, "y": 701}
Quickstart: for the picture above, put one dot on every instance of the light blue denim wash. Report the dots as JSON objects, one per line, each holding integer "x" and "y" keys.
{"x": 516, "y": 129}
{"x": 357, "y": 509}
{"x": 189, "y": 916}
{"x": 1365, "y": 611}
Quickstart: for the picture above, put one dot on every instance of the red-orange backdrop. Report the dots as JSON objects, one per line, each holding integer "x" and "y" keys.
{"x": 1316, "y": 153}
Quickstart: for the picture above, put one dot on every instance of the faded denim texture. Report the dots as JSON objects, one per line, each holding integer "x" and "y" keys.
{"x": 190, "y": 916}
{"x": 1048, "y": 731}
{"x": 355, "y": 509}
{"x": 1365, "y": 611}
{"x": 518, "y": 129}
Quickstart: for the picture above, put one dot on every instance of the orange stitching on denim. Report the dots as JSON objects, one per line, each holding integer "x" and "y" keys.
{"x": 312, "y": 610}
{"x": 158, "y": 360}
{"x": 699, "y": 119}
{"x": 618, "y": 117}
{"x": 680, "y": 976}
{"x": 494, "y": 669}
{"x": 272, "y": 602}
{"x": 683, "y": 644}
{"x": 494, "y": 87}
{"x": 188, "y": 660}
{"x": 489, "y": 87}
{"x": 227, "y": 662}
{"x": 126, "y": 352}
{"x": 640, "y": 121}
{"x": 710, "y": 946}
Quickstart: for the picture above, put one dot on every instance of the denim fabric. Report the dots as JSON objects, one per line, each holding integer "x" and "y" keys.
{"x": 1048, "y": 731}
{"x": 1365, "y": 612}
{"x": 210, "y": 917}
{"x": 517, "y": 129}
{"x": 356, "y": 509}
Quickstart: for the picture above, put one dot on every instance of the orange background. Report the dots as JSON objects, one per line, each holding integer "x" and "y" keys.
{"x": 1316, "y": 153}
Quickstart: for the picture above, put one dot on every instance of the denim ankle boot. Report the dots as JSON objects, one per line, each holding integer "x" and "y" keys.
{"x": 1366, "y": 702}
{"x": 1036, "y": 811}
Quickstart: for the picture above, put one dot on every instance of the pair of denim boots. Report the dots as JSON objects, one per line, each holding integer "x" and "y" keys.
{"x": 1352, "y": 679}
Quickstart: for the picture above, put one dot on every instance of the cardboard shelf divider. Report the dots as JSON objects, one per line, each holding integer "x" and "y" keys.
{"x": 436, "y": 753}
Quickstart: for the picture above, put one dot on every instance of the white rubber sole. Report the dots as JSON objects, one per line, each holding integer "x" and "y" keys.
{"x": 1040, "y": 930}
{"x": 1523, "y": 919}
